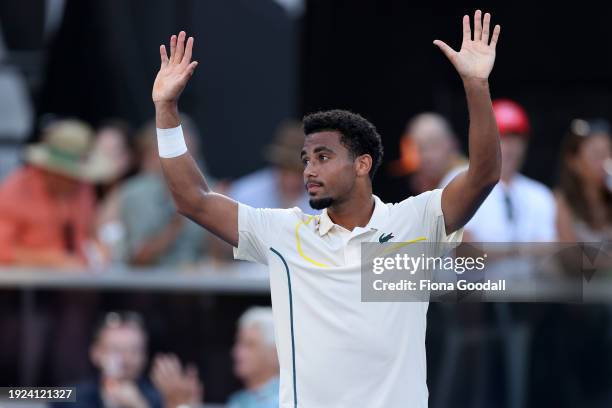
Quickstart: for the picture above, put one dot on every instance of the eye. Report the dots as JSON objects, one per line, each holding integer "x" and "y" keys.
{"x": 305, "y": 162}
{"x": 323, "y": 157}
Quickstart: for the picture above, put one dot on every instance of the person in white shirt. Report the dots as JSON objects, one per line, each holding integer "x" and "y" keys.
{"x": 519, "y": 209}
{"x": 334, "y": 350}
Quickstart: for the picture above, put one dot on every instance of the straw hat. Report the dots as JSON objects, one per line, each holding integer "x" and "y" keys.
{"x": 66, "y": 149}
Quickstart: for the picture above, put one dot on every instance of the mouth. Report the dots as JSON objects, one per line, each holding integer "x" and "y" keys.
{"x": 312, "y": 187}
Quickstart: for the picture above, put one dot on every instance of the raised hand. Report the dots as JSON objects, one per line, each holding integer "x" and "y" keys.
{"x": 175, "y": 71}
{"x": 476, "y": 57}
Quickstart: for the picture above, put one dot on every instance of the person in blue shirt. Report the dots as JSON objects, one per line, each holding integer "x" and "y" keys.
{"x": 255, "y": 361}
{"x": 255, "y": 364}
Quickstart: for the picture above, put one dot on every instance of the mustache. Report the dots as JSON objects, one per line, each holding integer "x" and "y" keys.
{"x": 313, "y": 182}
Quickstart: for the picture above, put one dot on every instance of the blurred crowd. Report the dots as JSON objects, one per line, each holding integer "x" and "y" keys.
{"x": 520, "y": 209}
{"x": 118, "y": 351}
{"x": 88, "y": 199}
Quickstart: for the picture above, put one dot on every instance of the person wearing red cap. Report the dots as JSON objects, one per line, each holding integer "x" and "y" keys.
{"x": 518, "y": 209}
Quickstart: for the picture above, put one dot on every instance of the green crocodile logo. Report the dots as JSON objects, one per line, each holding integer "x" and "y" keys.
{"x": 384, "y": 238}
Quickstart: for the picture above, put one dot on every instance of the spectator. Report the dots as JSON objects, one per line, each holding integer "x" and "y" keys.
{"x": 518, "y": 209}
{"x": 255, "y": 360}
{"x": 113, "y": 140}
{"x": 47, "y": 206}
{"x": 119, "y": 354}
{"x": 429, "y": 152}
{"x": 155, "y": 233}
{"x": 282, "y": 184}
{"x": 584, "y": 195}
{"x": 255, "y": 364}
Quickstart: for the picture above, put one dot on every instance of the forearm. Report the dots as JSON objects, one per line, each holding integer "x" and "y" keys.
{"x": 191, "y": 194}
{"x": 185, "y": 180}
{"x": 484, "y": 150}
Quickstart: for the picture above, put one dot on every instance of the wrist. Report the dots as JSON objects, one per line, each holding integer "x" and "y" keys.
{"x": 166, "y": 104}
{"x": 475, "y": 82}
{"x": 170, "y": 140}
{"x": 166, "y": 114}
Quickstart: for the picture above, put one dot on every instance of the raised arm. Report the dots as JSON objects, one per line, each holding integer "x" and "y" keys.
{"x": 192, "y": 195}
{"x": 474, "y": 62}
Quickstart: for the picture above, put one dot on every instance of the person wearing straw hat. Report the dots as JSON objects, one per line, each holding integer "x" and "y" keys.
{"x": 47, "y": 205}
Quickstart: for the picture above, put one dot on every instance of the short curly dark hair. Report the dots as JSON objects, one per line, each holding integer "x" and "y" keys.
{"x": 357, "y": 133}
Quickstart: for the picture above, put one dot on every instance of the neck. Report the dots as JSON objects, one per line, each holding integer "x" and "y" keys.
{"x": 259, "y": 379}
{"x": 507, "y": 178}
{"x": 354, "y": 212}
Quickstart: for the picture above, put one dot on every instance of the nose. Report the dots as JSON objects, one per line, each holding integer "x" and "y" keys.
{"x": 309, "y": 171}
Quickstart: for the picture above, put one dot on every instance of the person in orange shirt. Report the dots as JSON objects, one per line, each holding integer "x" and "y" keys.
{"x": 47, "y": 206}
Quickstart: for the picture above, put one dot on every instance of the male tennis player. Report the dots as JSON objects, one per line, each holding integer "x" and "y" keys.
{"x": 334, "y": 350}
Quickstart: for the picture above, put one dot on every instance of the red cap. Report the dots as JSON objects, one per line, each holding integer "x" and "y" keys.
{"x": 511, "y": 118}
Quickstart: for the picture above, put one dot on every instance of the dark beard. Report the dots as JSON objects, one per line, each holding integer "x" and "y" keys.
{"x": 321, "y": 203}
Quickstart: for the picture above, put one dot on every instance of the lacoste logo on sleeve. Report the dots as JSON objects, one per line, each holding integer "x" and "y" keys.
{"x": 384, "y": 238}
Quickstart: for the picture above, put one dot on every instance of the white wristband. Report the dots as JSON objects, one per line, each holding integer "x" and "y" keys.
{"x": 170, "y": 142}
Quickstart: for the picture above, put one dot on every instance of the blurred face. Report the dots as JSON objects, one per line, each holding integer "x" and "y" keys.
{"x": 330, "y": 172}
{"x": 252, "y": 356}
{"x": 435, "y": 147}
{"x": 111, "y": 143}
{"x": 120, "y": 352}
{"x": 291, "y": 182}
{"x": 589, "y": 162}
{"x": 513, "y": 152}
{"x": 59, "y": 185}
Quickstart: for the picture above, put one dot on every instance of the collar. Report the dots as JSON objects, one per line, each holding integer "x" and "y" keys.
{"x": 378, "y": 215}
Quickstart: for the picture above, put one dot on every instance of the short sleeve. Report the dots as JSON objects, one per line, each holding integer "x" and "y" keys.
{"x": 258, "y": 229}
{"x": 428, "y": 206}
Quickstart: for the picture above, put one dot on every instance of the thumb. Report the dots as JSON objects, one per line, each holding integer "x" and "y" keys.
{"x": 448, "y": 51}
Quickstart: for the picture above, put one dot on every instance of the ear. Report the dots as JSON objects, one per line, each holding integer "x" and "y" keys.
{"x": 363, "y": 165}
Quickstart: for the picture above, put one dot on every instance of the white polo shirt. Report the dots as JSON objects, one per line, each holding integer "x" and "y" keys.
{"x": 334, "y": 350}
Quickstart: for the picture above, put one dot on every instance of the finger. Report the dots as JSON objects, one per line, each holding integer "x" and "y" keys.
{"x": 495, "y": 35}
{"x": 448, "y": 51}
{"x": 188, "y": 50}
{"x": 191, "y": 68}
{"x": 172, "y": 48}
{"x": 180, "y": 47}
{"x": 485, "y": 28}
{"x": 163, "y": 54}
{"x": 467, "y": 31}
{"x": 477, "y": 25}
{"x": 162, "y": 367}
{"x": 155, "y": 376}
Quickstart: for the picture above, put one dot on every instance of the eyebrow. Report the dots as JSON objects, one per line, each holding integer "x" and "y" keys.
{"x": 318, "y": 149}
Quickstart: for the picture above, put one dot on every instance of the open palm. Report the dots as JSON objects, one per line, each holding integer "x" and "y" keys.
{"x": 175, "y": 71}
{"x": 476, "y": 57}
